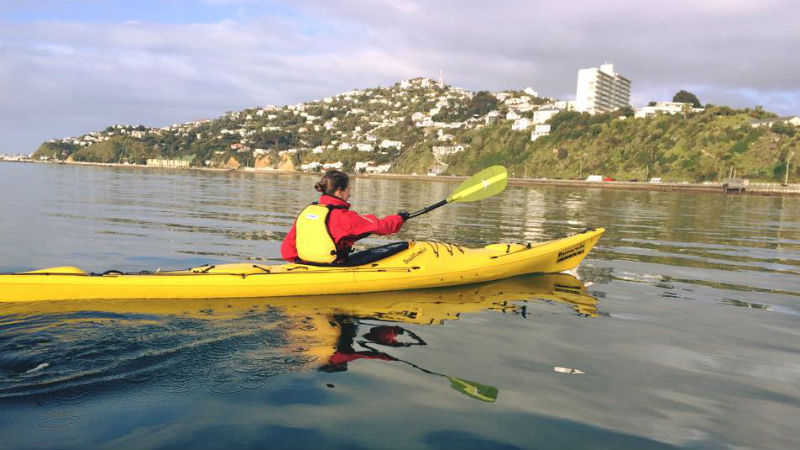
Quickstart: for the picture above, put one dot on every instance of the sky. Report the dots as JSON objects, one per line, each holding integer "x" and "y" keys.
{"x": 71, "y": 67}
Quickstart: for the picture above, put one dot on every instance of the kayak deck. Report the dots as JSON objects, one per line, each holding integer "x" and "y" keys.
{"x": 422, "y": 264}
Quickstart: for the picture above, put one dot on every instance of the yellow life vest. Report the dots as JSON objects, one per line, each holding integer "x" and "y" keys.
{"x": 313, "y": 240}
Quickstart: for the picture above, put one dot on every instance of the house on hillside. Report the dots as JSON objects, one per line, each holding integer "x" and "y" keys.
{"x": 180, "y": 163}
{"x": 425, "y": 122}
{"x": 314, "y": 165}
{"x": 794, "y": 120}
{"x": 370, "y": 167}
{"x": 521, "y": 124}
{"x": 386, "y": 143}
{"x": 543, "y": 115}
{"x": 565, "y": 105}
{"x": 337, "y": 165}
{"x": 447, "y": 150}
{"x": 382, "y": 168}
{"x": 361, "y": 166}
{"x": 542, "y": 129}
{"x": 491, "y": 116}
{"x": 671, "y": 108}
{"x": 239, "y": 147}
{"x": 365, "y": 147}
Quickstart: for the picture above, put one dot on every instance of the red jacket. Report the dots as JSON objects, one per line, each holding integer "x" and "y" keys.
{"x": 345, "y": 227}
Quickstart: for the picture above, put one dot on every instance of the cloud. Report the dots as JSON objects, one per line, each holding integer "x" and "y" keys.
{"x": 714, "y": 43}
{"x": 63, "y": 77}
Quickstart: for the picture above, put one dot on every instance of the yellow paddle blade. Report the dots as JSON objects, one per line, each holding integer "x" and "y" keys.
{"x": 486, "y": 183}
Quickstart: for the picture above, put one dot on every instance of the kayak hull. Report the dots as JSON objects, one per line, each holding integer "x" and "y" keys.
{"x": 422, "y": 265}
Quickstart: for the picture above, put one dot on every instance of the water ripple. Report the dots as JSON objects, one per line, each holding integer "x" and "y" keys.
{"x": 91, "y": 352}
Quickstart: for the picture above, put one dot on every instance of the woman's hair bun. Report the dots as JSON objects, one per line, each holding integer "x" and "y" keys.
{"x": 331, "y": 181}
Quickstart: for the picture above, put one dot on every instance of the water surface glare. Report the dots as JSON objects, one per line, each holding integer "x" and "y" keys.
{"x": 679, "y": 331}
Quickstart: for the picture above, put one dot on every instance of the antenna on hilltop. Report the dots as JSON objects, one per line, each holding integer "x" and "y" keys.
{"x": 441, "y": 79}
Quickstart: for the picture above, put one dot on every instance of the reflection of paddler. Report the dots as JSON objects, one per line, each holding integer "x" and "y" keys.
{"x": 344, "y": 352}
{"x": 382, "y": 335}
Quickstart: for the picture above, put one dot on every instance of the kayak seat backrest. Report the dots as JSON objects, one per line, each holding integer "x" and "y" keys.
{"x": 367, "y": 256}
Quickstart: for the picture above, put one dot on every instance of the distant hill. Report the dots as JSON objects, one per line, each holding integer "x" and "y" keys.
{"x": 422, "y": 126}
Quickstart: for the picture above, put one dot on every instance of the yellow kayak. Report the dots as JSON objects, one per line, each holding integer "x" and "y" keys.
{"x": 397, "y": 266}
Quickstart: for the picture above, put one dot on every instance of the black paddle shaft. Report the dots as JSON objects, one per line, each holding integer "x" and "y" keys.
{"x": 427, "y": 208}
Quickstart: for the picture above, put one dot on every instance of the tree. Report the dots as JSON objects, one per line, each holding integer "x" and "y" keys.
{"x": 567, "y": 119}
{"x": 626, "y": 111}
{"x": 684, "y": 96}
{"x": 784, "y": 128}
{"x": 54, "y": 150}
{"x": 482, "y": 103}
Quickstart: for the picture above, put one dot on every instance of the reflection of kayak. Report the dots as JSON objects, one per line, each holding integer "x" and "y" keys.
{"x": 310, "y": 324}
{"x": 410, "y": 265}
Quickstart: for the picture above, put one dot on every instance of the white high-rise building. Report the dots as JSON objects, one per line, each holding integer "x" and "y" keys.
{"x": 602, "y": 90}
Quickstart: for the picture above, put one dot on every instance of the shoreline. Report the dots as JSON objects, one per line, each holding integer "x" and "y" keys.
{"x": 712, "y": 188}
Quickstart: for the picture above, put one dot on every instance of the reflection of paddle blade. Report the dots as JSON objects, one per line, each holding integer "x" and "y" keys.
{"x": 475, "y": 390}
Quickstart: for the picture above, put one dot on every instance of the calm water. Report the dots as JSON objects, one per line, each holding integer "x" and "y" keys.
{"x": 684, "y": 320}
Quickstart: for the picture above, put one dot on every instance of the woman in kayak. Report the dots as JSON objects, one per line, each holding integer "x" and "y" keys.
{"x": 325, "y": 231}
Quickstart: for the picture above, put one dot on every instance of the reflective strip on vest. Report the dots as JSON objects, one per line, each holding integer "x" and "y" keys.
{"x": 314, "y": 242}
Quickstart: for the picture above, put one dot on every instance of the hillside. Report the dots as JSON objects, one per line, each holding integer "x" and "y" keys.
{"x": 421, "y": 126}
{"x": 700, "y": 147}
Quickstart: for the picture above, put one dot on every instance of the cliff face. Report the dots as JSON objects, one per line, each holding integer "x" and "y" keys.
{"x": 232, "y": 163}
{"x": 286, "y": 163}
{"x": 263, "y": 162}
